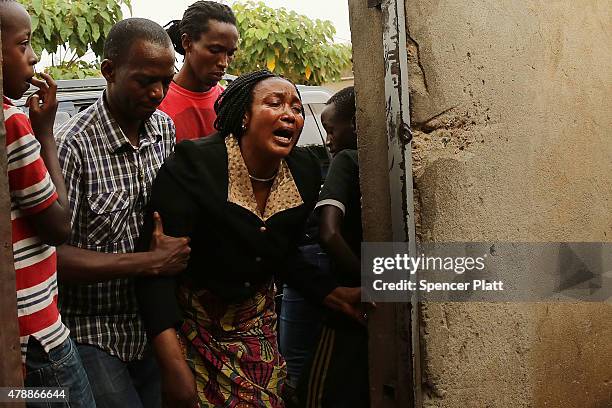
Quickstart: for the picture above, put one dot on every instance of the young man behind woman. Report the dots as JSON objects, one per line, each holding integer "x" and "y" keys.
{"x": 337, "y": 376}
{"x": 207, "y": 37}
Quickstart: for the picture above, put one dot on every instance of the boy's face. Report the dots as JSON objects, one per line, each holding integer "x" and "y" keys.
{"x": 18, "y": 57}
{"x": 138, "y": 83}
{"x": 340, "y": 131}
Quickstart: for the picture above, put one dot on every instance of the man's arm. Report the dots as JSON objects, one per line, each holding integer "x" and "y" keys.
{"x": 166, "y": 256}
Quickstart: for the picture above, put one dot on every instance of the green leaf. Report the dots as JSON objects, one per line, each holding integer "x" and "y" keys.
{"x": 37, "y": 6}
{"x": 34, "y": 19}
{"x": 47, "y": 31}
{"x": 65, "y": 32}
{"x": 260, "y": 34}
{"x": 107, "y": 28}
{"x": 81, "y": 26}
{"x": 95, "y": 32}
{"x": 104, "y": 14}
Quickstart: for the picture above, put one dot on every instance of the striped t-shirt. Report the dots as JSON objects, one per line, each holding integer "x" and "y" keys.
{"x": 32, "y": 191}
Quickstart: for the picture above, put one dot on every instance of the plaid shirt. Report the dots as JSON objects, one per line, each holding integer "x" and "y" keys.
{"x": 109, "y": 184}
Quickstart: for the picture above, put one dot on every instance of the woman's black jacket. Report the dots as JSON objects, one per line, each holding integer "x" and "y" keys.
{"x": 233, "y": 252}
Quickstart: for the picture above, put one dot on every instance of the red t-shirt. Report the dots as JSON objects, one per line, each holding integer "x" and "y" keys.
{"x": 32, "y": 191}
{"x": 193, "y": 113}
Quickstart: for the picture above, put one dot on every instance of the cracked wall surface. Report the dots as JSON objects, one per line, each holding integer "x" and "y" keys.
{"x": 512, "y": 122}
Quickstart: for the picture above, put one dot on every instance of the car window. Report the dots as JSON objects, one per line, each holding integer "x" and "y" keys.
{"x": 75, "y": 95}
{"x": 313, "y": 136}
{"x": 317, "y": 108}
{"x": 310, "y": 134}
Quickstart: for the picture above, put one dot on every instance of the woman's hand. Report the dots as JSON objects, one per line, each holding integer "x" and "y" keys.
{"x": 177, "y": 381}
{"x": 178, "y": 386}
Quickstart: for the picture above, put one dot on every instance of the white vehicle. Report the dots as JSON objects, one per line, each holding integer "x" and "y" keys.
{"x": 75, "y": 95}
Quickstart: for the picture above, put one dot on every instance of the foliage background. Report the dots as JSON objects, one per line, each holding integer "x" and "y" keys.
{"x": 277, "y": 39}
{"x": 288, "y": 43}
{"x": 79, "y": 24}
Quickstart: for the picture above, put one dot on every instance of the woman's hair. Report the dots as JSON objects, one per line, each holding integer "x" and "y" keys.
{"x": 236, "y": 99}
{"x": 195, "y": 21}
{"x": 344, "y": 102}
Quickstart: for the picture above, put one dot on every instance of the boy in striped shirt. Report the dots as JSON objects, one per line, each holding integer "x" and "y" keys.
{"x": 39, "y": 214}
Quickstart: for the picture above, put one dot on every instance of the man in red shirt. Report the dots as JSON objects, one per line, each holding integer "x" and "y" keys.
{"x": 207, "y": 36}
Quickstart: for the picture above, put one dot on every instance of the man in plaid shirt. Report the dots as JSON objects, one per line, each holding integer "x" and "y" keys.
{"x": 110, "y": 154}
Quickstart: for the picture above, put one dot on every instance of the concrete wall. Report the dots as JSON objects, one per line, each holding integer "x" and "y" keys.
{"x": 510, "y": 103}
{"x": 376, "y": 213}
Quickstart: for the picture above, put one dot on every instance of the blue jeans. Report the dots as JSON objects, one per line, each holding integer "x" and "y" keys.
{"x": 116, "y": 383}
{"x": 61, "y": 367}
{"x": 300, "y": 320}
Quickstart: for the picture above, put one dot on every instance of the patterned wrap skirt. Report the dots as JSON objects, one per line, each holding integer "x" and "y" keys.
{"x": 232, "y": 349}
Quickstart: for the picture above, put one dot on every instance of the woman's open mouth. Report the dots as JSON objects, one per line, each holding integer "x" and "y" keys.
{"x": 283, "y": 136}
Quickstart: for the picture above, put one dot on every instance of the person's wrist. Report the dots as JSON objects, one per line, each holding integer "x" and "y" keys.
{"x": 331, "y": 299}
{"x": 43, "y": 133}
{"x": 172, "y": 366}
{"x": 155, "y": 268}
{"x": 148, "y": 264}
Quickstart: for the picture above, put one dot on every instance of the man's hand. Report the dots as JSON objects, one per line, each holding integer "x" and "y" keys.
{"x": 348, "y": 301}
{"x": 178, "y": 386}
{"x": 170, "y": 254}
{"x": 43, "y": 106}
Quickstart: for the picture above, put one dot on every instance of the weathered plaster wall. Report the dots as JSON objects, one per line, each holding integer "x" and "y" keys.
{"x": 510, "y": 103}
